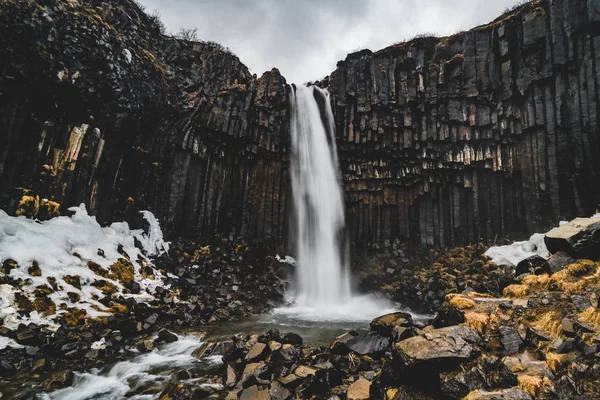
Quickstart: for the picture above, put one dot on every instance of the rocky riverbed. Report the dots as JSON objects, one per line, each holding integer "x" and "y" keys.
{"x": 501, "y": 332}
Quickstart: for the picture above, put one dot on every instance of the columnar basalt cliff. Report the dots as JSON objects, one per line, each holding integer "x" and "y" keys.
{"x": 491, "y": 132}
{"x": 97, "y": 106}
{"x": 486, "y": 133}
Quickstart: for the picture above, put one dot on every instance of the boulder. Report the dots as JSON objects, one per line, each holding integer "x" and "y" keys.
{"x": 558, "y": 261}
{"x": 359, "y": 390}
{"x": 510, "y": 338}
{"x": 506, "y": 394}
{"x": 439, "y": 348}
{"x": 579, "y": 238}
{"x": 368, "y": 343}
{"x": 385, "y": 324}
{"x": 533, "y": 265}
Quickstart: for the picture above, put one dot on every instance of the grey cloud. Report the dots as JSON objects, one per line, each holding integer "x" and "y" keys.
{"x": 305, "y": 38}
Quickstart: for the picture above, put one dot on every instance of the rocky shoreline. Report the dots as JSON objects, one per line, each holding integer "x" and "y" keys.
{"x": 534, "y": 335}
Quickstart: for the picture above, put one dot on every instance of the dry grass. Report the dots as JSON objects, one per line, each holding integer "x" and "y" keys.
{"x": 477, "y": 321}
{"x": 475, "y": 295}
{"x": 550, "y": 323}
{"x": 577, "y": 276}
{"x": 460, "y": 302}
{"x": 515, "y": 291}
{"x": 590, "y": 316}
{"x": 533, "y": 385}
{"x": 556, "y": 361}
{"x": 528, "y": 285}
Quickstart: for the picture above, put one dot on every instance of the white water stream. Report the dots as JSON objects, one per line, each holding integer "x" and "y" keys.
{"x": 138, "y": 378}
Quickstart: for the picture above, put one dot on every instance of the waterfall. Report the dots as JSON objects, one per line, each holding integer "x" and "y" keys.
{"x": 322, "y": 277}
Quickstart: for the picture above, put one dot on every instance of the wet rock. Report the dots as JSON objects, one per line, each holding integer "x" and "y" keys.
{"x": 359, "y": 390}
{"x": 279, "y": 392}
{"x": 164, "y": 336}
{"x": 533, "y": 265}
{"x": 511, "y": 340}
{"x": 562, "y": 346}
{"x": 7, "y": 369}
{"x": 506, "y": 394}
{"x": 368, "y": 343}
{"x": 459, "y": 385}
{"x": 559, "y": 260}
{"x": 439, "y": 349}
{"x": 292, "y": 338}
{"x": 385, "y": 324}
{"x": 257, "y": 352}
{"x": 581, "y": 302}
{"x": 579, "y": 238}
{"x": 253, "y": 393}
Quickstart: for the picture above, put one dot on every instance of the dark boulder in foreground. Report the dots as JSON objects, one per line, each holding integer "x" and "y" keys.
{"x": 579, "y": 238}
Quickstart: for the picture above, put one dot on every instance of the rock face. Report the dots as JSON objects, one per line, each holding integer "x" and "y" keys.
{"x": 98, "y": 107}
{"x": 441, "y": 141}
{"x": 484, "y": 133}
{"x": 579, "y": 238}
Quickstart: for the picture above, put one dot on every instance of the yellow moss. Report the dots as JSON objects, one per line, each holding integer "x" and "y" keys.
{"x": 106, "y": 287}
{"x": 35, "y": 270}
{"x": 556, "y": 361}
{"x": 550, "y": 323}
{"x": 200, "y": 253}
{"x": 122, "y": 271}
{"x": 460, "y": 302}
{"x": 515, "y": 291}
{"x": 474, "y": 295}
{"x": 49, "y": 209}
{"x": 73, "y": 281}
{"x": 97, "y": 269}
{"x": 590, "y": 316}
{"x": 477, "y": 321}
{"x": 29, "y": 206}
{"x": 533, "y": 385}
{"x": 74, "y": 317}
{"x": 119, "y": 309}
{"x": 577, "y": 277}
{"x": 44, "y": 305}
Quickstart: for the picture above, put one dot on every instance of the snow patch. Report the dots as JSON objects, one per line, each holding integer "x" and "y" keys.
{"x": 287, "y": 260}
{"x": 513, "y": 254}
{"x": 7, "y": 342}
{"x": 66, "y": 246}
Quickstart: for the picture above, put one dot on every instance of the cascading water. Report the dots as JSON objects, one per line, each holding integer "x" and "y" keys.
{"x": 322, "y": 278}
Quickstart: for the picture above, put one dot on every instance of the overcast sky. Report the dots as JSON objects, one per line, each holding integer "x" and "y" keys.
{"x": 306, "y": 38}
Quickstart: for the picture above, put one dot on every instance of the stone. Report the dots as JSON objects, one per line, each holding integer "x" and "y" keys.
{"x": 279, "y": 392}
{"x": 562, "y": 346}
{"x": 385, "y": 324}
{"x": 510, "y": 338}
{"x": 368, "y": 343}
{"x": 439, "y": 349}
{"x": 534, "y": 336}
{"x": 559, "y": 260}
{"x": 533, "y": 265}
{"x": 256, "y": 352}
{"x": 253, "y": 370}
{"x": 230, "y": 377}
{"x": 164, "y": 336}
{"x": 292, "y": 338}
{"x": 581, "y": 302}
{"x": 359, "y": 390}
{"x": 579, "y": 238}
{"x": 505, "y": 394}
{"x": 253, "y": 393}
{"x": 7, "y": 369}
{"x": 459, "y": 385}
{"x": 303, "y": 371}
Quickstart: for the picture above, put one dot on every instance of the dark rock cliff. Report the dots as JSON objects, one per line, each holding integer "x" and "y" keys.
{"x": 97, "y": 106}
{"x": 491, "y": 132}
{"x": 488, "y": 132}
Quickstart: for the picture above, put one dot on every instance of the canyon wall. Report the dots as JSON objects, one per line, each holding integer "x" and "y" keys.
{"x": 491, "y": 132}
{"x": 97, "y": 106}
